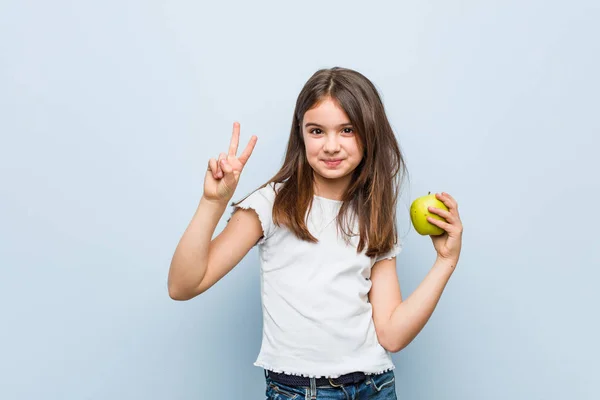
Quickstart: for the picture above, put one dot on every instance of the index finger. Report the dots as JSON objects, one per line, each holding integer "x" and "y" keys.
{"x": 235, "y": 139}
{"x": 248, "y": 150}
{"x": 453, "y": 203}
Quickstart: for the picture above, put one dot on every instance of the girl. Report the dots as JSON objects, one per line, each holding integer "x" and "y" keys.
{"x": 326, "y": 232}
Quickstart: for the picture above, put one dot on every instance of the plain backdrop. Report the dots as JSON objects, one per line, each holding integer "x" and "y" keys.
{"x": 110, "y": 110}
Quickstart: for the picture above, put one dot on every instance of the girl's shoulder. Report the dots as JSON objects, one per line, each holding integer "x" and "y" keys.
{"x": 267, "y": 192}
{"x": 261, "y": 201}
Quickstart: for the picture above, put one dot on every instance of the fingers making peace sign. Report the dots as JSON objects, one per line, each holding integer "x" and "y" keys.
{"x": 223, "y": 174}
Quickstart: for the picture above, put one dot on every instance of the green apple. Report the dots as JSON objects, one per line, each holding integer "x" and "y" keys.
{"x": 419, "y": 213}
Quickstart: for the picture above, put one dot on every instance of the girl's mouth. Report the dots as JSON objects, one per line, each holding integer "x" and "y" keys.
{"x": 332, "y": 163}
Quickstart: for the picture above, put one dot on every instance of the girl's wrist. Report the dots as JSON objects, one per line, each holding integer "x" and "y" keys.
{"x": 446, "y": 262}
{"x": 214, "y": 202}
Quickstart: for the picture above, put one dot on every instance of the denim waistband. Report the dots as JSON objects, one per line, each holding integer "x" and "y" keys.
{"x": 295, "y": 380}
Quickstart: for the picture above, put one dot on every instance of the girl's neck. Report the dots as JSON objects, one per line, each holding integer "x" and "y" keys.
{"x": 330, "y": 189}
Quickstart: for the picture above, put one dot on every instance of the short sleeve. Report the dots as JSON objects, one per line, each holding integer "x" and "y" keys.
{"x": 390, "y": 254}
{"x": 261, "y": 201}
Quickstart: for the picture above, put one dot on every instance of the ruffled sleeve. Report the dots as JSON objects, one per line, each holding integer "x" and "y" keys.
{"x": 261, "y": 201}
{"x": 390, "y": 254}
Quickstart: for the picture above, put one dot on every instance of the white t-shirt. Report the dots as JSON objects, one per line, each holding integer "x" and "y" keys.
{"x": 317, "y": 320}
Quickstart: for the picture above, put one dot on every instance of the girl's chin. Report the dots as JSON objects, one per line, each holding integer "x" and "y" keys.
{"x": 332, "y": 174}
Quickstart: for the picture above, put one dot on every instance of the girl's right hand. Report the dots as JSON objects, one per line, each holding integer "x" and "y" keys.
{"x": 223, "y": 174}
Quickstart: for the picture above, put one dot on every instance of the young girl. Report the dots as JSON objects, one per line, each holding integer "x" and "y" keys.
{"x": 327, "y": 238}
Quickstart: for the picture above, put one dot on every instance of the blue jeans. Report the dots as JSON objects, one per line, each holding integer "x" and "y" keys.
{"x": 375, "y": 387}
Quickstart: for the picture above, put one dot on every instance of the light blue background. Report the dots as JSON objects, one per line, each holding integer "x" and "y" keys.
{"x": 109, "y": 112}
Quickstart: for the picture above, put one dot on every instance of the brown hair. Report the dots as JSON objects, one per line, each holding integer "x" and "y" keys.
{"x": 374, "y": 188}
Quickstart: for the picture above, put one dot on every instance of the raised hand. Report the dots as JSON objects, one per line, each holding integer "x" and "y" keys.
{"x": 223, "y": 174}
{"x": 449, "y": 243}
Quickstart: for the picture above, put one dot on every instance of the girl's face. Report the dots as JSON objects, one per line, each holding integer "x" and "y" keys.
{"x": 332, "y": 146}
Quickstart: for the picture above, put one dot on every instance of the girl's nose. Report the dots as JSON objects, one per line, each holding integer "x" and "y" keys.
{"x": 332, "y": 144}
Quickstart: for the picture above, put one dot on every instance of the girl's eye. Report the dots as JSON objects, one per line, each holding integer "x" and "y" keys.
{"x": 346, "y": 130}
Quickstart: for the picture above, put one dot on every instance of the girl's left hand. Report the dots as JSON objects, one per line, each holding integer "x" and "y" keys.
{"x": 449, "y": 243}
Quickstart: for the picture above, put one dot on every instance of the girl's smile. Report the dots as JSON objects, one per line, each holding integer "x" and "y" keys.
{"x": 333, "y": 163}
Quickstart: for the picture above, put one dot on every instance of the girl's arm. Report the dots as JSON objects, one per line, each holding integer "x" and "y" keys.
{"x": 198, "y": 261}
{"x": 398, "y": 322}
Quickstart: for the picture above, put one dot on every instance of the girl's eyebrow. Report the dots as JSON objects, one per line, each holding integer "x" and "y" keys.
{"x": 321, "y": 126}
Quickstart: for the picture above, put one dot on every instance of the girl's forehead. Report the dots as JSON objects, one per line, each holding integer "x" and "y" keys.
{"x": 326, "y": 110}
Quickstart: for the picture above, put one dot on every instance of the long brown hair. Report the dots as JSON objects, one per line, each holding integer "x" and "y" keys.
{"x": 373, "y": 191}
